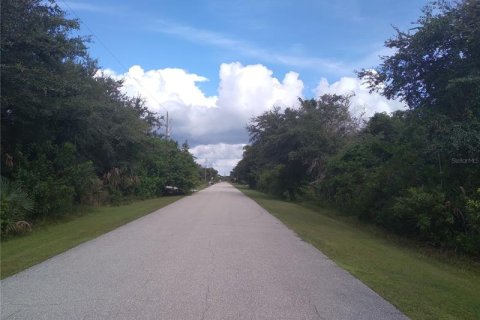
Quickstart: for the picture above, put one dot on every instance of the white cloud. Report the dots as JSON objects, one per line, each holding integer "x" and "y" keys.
{"x": 214, "y": 125}
{"x": 221, "y": 156}
{"x": 243, "y": 92}
{"x": 164, "y": 86}
{"x": 363, "y": 102}
{"x": 246, "y": 91}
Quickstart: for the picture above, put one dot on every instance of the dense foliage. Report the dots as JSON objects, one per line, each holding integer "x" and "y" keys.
{"x": 414, "y": 172}
{"x": 289, "y": 149}
{"x": 437, "y": 67}
{"x": 208, "y": 175}
{"x": 69, "y": 135}
{"x": 413, "y": 175}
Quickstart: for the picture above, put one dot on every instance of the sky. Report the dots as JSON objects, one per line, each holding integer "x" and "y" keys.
{"x": 215, "y": 64}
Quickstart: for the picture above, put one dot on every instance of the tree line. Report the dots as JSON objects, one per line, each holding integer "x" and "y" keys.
{"x": 69, "y": 136}
{"x": 414, "y": 172}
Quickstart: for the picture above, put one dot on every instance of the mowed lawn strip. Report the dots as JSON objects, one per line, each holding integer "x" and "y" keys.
{"x": 421, "y": 286}
{"x": 47, "y": 241}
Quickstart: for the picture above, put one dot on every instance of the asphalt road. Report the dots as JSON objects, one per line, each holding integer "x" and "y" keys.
{"x": 213, "y": 255}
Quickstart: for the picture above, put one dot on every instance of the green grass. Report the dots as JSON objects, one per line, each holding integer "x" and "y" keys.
{"x": 48, "y": 240}
{"x": 422, "y": 284}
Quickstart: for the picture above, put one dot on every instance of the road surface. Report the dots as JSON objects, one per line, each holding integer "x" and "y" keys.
{"x": 213, "y": 255}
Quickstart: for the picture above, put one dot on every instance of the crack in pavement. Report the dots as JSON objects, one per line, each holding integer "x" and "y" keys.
{"x": 209, "y": 281}
{"x": 316, "y": 311}
{"x": 12, "y": 314}
{"x": 54, "y": 303}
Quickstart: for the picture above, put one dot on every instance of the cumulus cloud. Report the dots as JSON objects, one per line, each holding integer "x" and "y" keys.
{"x": 246, "y": 91}
{"x": 213, "y": 125}
{"x": 243, "y": 92}
{"x": 164, "y": 86}
{"x": 363, "y": 102}
{"x": 221, "y": 156}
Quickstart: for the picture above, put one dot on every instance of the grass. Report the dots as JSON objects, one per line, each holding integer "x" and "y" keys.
{"x": 420, "y": 284}
{"x": 48, "y": 240}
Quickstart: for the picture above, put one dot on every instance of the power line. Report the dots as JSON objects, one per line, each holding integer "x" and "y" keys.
{"x": 121, "y": 64}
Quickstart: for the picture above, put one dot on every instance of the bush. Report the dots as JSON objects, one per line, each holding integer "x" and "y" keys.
{"x": 150, "y": 186}
{"x": 270, "y": 181}
{"x": 14, "y": 206}
{"x": 54, "y": 178}
{"x": 471, "y": 242}
{"x": 428, "y": 215}
{"x": 422, "y": 212}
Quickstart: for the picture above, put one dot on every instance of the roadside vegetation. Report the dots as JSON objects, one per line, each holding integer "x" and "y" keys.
{"x": 49, "y": 239}
{"x": 69, "y": 136}
{"x": 419, "y": 281}
{"x": 414, "y": 172}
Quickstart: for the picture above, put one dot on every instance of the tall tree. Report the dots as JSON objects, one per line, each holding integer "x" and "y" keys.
{"x": 69, "y": 135}
{"x": 42, "y": 64}
{"x": 289, "y": 149}
{"x": 436, "y": 65}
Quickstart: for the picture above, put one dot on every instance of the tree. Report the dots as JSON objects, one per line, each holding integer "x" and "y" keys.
{"x": 436, "y": 64}
{"x": 42, "y": 65}
{"x": 399, "y": 174}
{"x": 246, "y": 169}
{"x": 433, "y": 148}
{"x": 70, "y": 136}
{"x": 289, "y": 149}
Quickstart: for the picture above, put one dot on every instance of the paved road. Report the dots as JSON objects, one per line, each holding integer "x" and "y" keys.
{"x": 213, "y": 255}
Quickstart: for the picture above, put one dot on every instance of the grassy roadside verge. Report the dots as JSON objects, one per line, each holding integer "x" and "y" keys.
{"x": 422, "y": 286}
{"x": 47, "y": 241}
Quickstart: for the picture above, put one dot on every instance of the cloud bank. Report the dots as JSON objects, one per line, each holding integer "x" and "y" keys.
{"x": 243, "y": 92}
{"x": 221, "y": 156}
{"x": 363, "y": 103}
{"x": 215, "y": 125}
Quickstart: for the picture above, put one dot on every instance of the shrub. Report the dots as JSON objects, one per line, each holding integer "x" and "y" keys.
{"x": 14, "y": 206}
{"x": 54, "y": 178}
{"x": 422, "y": 212}
{"x": 471, "y": 242}
{"x": 270, "y": 181}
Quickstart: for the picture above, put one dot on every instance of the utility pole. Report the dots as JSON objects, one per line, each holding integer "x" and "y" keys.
{"x": 205, "y": 169}
{"x": 167, "y": 133}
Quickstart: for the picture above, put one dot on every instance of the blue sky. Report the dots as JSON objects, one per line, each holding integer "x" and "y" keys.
{"x": 318, "y": 44}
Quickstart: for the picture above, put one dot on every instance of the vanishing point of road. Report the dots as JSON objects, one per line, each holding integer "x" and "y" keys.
{"x": 213, "y": 255}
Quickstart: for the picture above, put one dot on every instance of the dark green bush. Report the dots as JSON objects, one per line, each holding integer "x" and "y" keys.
{"x": 15, "y": 204}
{"x": 270, "y": 181}
{"x": 471, "y": 241}
{"x": 54, "y": 178}
{"x": 422, "y": 212}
